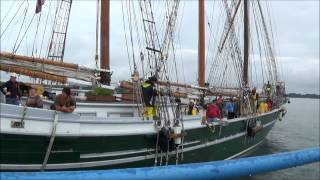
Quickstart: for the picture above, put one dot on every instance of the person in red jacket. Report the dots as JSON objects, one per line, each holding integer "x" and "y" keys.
{"x": 213, "y": 113}
{"x": 270, "y": 103}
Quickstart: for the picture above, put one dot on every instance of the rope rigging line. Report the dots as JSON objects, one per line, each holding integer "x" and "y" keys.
{"x": 66, "y": 13}
{"x": 57, "y": 43}
{"x": 50, "y": 40}
{"x": 213, "y": 66}
{"x": 15, "y": 14}
{"x": 131, "y": 36}
{"x": 211, "y": 38}
{"x": 157, "y": 56}
{"x": 6, "y": 14}
{"x": 36, "y": 35}
{"x": 259, "y": 45}
{"x": 168, "y": 37}
{"x": 269, "y": 44}
{"x": 125, "y": 34}
{"x": 220, "y": 59}
{"x": 234, "y": 46}
{"x": 20, "y": 29}
{"x": 263, "y": 40}
{"x": 266, "y": 51}
{"x": 45, "y": 28}
{"x": 147, "y": 33}
{"x": 178, "y": 42}
{"x": 138, "y": 36}
{"x": 218, "y": 27}
{"x": 274, "y": 38}
{"x": 17, "y": 47}
{"x": 221, "y": 70}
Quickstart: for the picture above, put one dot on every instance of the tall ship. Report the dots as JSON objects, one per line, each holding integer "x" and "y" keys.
{"x": 109, "y": 127}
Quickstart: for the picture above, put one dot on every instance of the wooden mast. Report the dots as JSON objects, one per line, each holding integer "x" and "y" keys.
{"x": 104, "y": 42}
{"x": 201, "y": 45}
{"x": 246, "y": 42}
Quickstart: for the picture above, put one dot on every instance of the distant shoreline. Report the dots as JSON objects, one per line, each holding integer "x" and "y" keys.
{"x": 310, "y": 96}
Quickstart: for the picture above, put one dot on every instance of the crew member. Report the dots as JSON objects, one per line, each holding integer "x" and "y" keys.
{"x": 213, "y": 113}
{"x": 269, "y": 89}
{"x": 65, "y": 102}
{"x": 254, "y": 99}
{"x": 11, "y": 90}
{"x": 149, "y": 93}
{"x": 192, "y": 109}
{"x": 230, "y": 109}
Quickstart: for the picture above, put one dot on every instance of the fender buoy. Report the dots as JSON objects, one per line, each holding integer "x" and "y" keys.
{"x": 280, "y": 116}
{"x": 282, "y": 113}
{"x": 177, "y": 131}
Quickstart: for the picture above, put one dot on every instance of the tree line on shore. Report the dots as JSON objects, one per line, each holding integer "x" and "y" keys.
{"x": 297, "y": 95}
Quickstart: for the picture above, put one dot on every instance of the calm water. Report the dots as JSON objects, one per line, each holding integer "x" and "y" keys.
{"x": 298, "y": 130}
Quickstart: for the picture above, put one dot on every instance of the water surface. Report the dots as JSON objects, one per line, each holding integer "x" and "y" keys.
{"x": 298, "y": 130}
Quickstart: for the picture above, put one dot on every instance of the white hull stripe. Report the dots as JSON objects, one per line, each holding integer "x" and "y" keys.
{"x": 123, "y": 153}
{"x": 123, "y": 160}
{"x": 117, "y": 153}
{"x": 244, "y": 151}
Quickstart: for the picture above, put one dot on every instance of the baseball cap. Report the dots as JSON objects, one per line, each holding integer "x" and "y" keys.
{"x": 13, "y": 75}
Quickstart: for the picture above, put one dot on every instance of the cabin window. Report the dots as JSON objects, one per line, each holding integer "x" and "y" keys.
{"x": 88, "y": 114}
{"x": 122, "y": 114}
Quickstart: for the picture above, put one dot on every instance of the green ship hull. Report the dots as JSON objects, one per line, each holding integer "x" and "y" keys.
{"x": 27, "y": 152}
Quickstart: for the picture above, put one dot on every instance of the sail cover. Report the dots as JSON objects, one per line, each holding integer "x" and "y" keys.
{"x": 46, "y": 67}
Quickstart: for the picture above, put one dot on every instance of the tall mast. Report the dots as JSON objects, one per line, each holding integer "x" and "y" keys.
{"x": 246, "y": 42}
{"x": 104, "y": 42}
{"x": 201, "y": 45}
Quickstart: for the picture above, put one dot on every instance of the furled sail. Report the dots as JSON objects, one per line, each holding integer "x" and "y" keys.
{"x": 33, "y": 74}
{"x": 45, "y": 68}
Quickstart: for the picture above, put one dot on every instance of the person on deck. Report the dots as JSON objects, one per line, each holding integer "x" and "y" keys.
{"x": 269, "y": 89}
{"x": 213, "y": 113}
{"x": 254, "y": 99}
{"x": 263, "y": 107}
{"x": 149, "y": 93}
{"x": 236, "y": 107}
{"x": 230, "y": 109}
{"x": 65, "y": 102}
{"x": 220, "y": 104}
{"x": 270, "y": 104}
{"x": 11, "y": 90}
{"x": 34, "y": 100}
{"x": 192, "y": 109}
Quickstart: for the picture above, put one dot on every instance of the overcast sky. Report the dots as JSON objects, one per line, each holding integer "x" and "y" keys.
{"x": 296, "y": 24}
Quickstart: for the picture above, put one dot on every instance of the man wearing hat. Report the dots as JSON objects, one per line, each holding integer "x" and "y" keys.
{"x": 11, "y": 90}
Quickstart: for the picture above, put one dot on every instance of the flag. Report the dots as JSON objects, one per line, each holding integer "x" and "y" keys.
{"x": 39, "y": 5}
